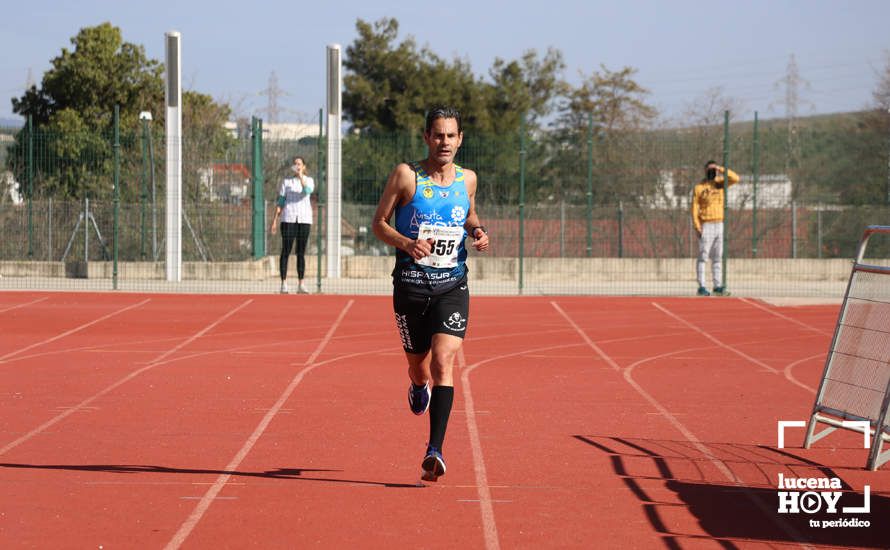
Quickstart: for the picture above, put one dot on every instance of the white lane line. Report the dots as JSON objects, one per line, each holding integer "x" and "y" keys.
{"x": 787, "y": 370}
{"x": 679, "y": 426}
{"x": 107, "y": 348}
{"x": 609, "y": 361}
{"x": 26, "y": 304}
{"x": 785, "y": 317}
{"x": 489, "y": 526}
{"x": 790, "y": 376}
{"x": 715, "y": 340}
{"x": 186, "y": 528}
{"x": 149, "y": 483}
{"x": 86, "y": 402}
{"x": 198, "y": 334}
{"x": 672, "y": 420}
{"x": 490, "y": 529}
{"x": 73, "y": 330}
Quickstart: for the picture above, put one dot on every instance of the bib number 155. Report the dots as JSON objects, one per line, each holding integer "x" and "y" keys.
{"x": 445, "y": 248}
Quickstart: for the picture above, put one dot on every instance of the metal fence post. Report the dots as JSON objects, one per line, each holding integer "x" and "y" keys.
{"x": 265, "y": 229}
{"x": 143, "y": 193}
{"x": 154, "y": 205}
{"x": 725, "y": 195}
{"x": 49, "y": 230}
{"x": 86, "y": 234}
{"x": 589, "y": 185}
{"x": 319, "y": 198}
{"x": 819, "y": 231}
{"x": 521, "y": 198}
{"x": 30, "y": 186}
{"x": 117, "y": 194}
{"x": 887, "y": 190}
{"x": 793, "y": 229}
{"x": 756, "y": 175}
{"x": 258, "y": 221}
{"x": 620, "y": 229}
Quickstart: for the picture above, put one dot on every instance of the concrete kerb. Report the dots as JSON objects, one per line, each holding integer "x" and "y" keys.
{"x": 759, "y": 278}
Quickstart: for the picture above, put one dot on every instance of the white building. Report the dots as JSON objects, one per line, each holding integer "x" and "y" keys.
{"x": 13, "y": 189}
{"x": 773, "y": 191}
{"x": 225, "y": 182}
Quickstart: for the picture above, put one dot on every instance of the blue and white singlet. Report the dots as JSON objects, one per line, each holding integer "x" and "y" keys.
{"x": 436, "y": 212}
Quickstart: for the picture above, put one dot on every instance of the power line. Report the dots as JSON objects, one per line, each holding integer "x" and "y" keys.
{"x": 272, "y": 93}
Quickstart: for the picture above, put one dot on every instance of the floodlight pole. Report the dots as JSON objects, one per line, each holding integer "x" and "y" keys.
{"x": 173, "y": 124}
{"x": 333, "y": 172}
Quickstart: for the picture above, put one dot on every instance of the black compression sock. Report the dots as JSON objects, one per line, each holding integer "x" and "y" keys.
{"x": 440, "y": 410}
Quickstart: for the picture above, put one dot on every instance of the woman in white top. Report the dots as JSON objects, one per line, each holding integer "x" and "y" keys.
{"x": 295, "y": 212}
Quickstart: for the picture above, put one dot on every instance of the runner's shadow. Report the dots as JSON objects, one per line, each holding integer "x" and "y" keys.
{"x": 665, "y": 475}
{"x": 279, "y": 473}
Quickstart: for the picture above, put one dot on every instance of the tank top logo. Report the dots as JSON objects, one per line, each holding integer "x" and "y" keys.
{"x": 432, "y": 218}
{"x": 428, "y": 193}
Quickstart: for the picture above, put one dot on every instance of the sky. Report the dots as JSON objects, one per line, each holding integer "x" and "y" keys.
{"x": 680, "y": 48}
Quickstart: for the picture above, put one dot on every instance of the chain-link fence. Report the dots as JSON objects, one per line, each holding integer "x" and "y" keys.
{"x": 583, "y": 211}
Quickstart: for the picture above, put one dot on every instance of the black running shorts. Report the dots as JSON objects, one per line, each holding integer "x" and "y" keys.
{"x": 419, "y": 316}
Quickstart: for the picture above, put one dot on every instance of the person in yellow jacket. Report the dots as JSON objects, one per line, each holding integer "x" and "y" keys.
{"x": 707, "y": 217}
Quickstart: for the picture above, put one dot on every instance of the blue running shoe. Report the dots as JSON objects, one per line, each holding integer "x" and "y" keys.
{"x": 419, "y": 398}
{"x": 702, "y": 291}
{"x": 433, "y": 464}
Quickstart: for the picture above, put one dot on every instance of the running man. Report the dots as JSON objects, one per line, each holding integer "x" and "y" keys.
{"x": 434, "y": 203}
{"x": 707, "y": 217}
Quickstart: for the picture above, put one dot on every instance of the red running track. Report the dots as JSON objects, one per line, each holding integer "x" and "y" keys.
{"x": 173, "y": 421}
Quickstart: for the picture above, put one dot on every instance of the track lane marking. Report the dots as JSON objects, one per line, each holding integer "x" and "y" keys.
{"x": 201, "y": 508}
{"x": 26, "y": 304}
{"x": 673, "y": 421}
{"x": 715, "y": 340}
{"x": 787, "y": 371}
{"x": 489, "y": 525}
{"x": 785, "y": 317}
{"x": 86, "y": 402}
{"x": 795, "y": 381}
{"x": 73, "y": 330}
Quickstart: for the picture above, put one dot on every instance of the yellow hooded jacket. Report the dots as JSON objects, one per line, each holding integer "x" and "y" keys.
{"x": 707, "y": 199}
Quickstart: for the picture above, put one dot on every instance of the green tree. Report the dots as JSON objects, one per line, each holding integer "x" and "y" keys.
{"x": 528, "y": 86}
{"x": 389, "y": 85}
{"x": 616, "y": 101}
{"x": 875, "y": 157}
{"x": 847, "y": 156}
{"x": 379, "y": 73}
{"x": 72, "y": 113}
{"x": 616, "y": 105}
{"x": 204, "y": 134}
{"x": 100, "y": 71}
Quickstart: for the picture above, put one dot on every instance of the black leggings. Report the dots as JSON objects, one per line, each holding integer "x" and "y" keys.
{"x": 291, "y": 232}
